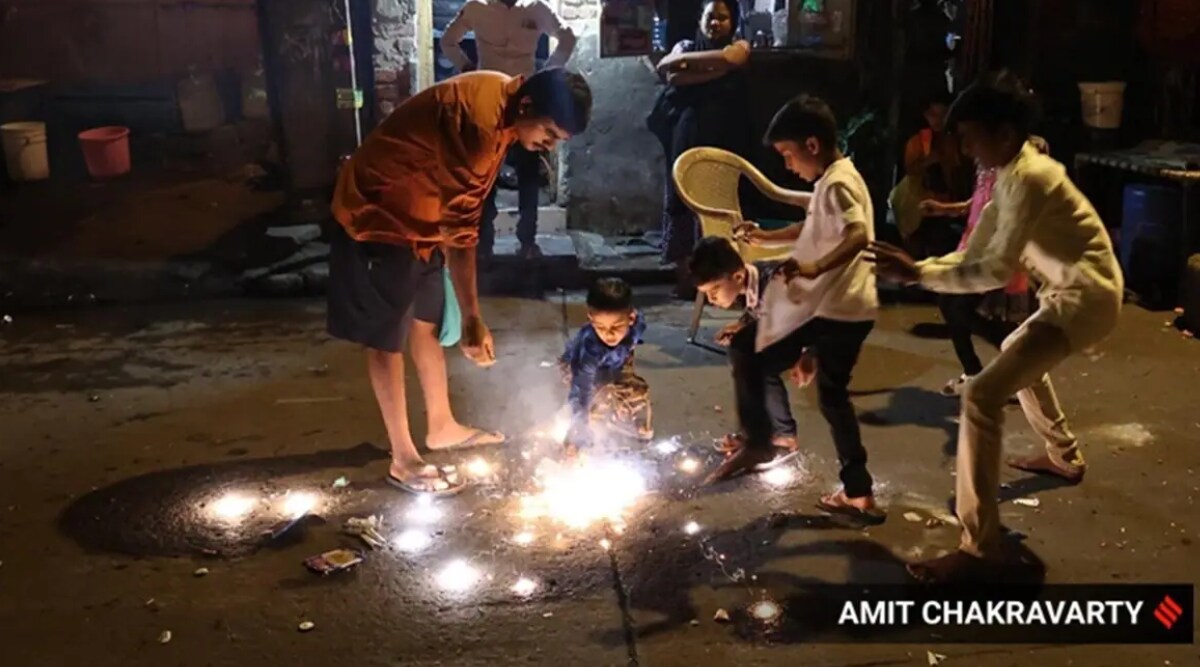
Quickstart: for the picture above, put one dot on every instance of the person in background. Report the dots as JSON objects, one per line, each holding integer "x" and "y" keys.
{"x": 409, "y": 201}
{"x": 606, "y": 393}
{"x": 704, "y": 103}
{"x": 1037, "y": 219}
{"x": 934, "y": 169}
{"x": 962, "y": 311}
{"x": 506, "y": 39}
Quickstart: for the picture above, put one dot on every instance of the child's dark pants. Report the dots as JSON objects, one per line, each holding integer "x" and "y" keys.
{"x": 762, "y": 400}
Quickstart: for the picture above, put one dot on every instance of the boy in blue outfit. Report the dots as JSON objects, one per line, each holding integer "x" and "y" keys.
{"x": 598, "y": 365}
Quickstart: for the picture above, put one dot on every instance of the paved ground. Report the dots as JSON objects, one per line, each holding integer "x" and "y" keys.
{"x": 122, "y": 426}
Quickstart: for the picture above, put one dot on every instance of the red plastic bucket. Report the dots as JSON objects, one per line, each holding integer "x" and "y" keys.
{"x": 106, "y": 151}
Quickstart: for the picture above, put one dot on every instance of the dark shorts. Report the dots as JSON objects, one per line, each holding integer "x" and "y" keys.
{"x": 376, "y": 290}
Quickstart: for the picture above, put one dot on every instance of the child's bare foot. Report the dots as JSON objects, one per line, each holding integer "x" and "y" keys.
{"x": 458, "y": 436}
{"x": 862, "y": 508}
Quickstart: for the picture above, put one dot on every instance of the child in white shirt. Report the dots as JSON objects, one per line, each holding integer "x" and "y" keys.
{"x": 822, "y": 299}
{"x": 1038, "y": 220}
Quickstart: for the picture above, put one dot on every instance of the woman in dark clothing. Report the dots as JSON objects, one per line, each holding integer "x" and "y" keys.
{"x": 702, "y": 104}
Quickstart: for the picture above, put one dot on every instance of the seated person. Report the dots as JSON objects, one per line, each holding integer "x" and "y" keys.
{"x": 605, "y": 393}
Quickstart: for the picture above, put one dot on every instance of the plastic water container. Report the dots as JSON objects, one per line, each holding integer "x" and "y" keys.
{"x": 106, "y": 151}
{"x": 25, "y": 151}
{"x": 1150, "y": 223}
{"x": 1102, "y": 104}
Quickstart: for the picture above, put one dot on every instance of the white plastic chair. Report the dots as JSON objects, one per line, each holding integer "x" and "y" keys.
{"x": 707, "y": 181}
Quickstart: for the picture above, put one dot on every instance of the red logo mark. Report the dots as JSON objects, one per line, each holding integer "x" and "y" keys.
{"x": 1168, "y": 612}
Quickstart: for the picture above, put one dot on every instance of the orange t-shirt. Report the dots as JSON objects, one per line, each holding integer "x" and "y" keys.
{"x": 421, "y": 178}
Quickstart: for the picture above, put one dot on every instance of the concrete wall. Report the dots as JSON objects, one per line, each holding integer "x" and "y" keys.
{"x": 611, "y": 177}
{"x": 125, "y": 41}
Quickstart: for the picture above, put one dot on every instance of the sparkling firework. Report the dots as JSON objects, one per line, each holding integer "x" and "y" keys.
{"x": 689, "y": 465}
{"x": 781, "y": 476}
{"x": 580, "y": 495}
{"x": 232, "y": 506}
{"x": 478, "y": 467}
{"x": 297, "y": 504}
{"x": 412, "y": 540}
{"x": 524, "y": 587}
{"x": 766, "y": 611}
{"x": 424, "y": 511}
{"x": 459, "y": 576}
{"x": 691, "y": 528}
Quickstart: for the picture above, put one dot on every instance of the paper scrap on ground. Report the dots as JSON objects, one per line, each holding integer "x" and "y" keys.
{"x": 1028, "y": 502}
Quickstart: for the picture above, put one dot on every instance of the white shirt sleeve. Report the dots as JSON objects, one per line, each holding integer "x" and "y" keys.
{"x": 993, "y": 251}
{"x": 453, "y": 35}
{"x": 843, "y": 199}
{"x": 549, "y": 23}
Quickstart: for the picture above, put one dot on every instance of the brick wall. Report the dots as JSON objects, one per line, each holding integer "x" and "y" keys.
{"x": 395, "y": 38}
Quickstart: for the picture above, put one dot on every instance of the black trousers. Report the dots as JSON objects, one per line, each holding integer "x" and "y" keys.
{"x": 529, "y": 187}
{"x": 762, "y": 399}
{"x": 961, "y": 312}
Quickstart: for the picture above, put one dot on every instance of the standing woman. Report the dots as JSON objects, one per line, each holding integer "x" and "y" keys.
{"x": 702, "y": 104}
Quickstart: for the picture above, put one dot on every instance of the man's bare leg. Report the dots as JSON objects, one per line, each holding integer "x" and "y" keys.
{"x": 387, "y": 379}
{"x": 430, "y": 359}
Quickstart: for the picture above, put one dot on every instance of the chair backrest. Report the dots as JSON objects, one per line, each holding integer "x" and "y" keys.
{"x": 707, "y": 181}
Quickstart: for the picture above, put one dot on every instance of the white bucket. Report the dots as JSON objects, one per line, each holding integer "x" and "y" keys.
{"x": 25, "y": 151}
{"x": 1102, "y": 104}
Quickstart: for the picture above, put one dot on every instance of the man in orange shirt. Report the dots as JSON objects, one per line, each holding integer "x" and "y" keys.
{"x": 410, "y": 200}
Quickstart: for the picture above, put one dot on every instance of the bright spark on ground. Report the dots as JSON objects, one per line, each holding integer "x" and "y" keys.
{"x": 478, "y": 467}
{"x": 458, "y": 576}
{"x": 581, "y": 495}
{"x": 689, "y": 465}
{"x": 666, "y": 447}
{"x": 524, "y": 587}
{"x": 299, "y": 503}
{"x": 523, "y": 538}
{"x": 562, "y": 426}
{"x": 691, "y": 528}
{"x": 605, "y": 544}
{"x": 424, "y": 511}
{"x": 766, "y": 611}
{"x": 780, "y": 476}
{"x": 412, "y": 540}
{"x": 232, "y": 506}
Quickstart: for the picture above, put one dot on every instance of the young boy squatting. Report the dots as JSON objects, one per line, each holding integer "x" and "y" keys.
{"x": 606, "y": 393}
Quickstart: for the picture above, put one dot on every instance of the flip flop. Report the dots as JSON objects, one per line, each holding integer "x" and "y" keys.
{"x": 473, "y": 441}
{"x": 872, "y": 517}
{"x": 1043, "y": 465}
{"x": 733, "y": 442}
{"x": 426, "y": 486}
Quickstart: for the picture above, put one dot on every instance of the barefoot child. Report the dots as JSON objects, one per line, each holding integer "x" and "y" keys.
{"x": 598, "y": 365}
{"x": 1039, "y": 219}
{"x": 823, "y": 298}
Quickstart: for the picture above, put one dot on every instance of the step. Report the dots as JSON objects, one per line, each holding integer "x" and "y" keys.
{"x": 551, "y": 219}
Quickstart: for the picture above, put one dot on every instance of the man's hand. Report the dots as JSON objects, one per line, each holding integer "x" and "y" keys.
{"x": 725, "y": 336}
{"x": 477, "y": 343}
{"x": 892, "y": 262}
{"x": 791, "y": 269}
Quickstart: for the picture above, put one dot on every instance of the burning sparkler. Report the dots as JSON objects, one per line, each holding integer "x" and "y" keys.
{"x": 524, "y": 587}
{"x": 459, "y": 576}
{"x": 691, "y": 528}
{"x": 781, "y": 476}
{"x": 424, "y": 511}
{"x": 478, "y": 467}
{"x": 689, "y": 465}
{"x": 579, "y": 496}
{"x": 766, "y": 611}
{"x": 232, "y": 507}
{"x": 412, "y": 541}
{"x": 299, "y": 503}
{"x": 523, "y": 538}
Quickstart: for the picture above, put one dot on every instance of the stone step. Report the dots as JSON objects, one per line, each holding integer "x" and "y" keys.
{"x": 550, "y": 219}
